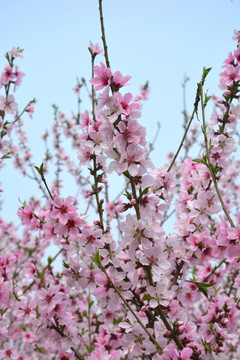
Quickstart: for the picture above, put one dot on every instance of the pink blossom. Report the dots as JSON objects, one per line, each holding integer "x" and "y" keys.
{"x": 8, "y": 105}
{"x": 186, "y": 354}
{"x": 7, "y": 75}
{"x": 18, "y": 75}
{"x": 95, "y": 49}
{"x": 103, "y": 285}
{"x": 62, "y": 210}
{"x": 30, "y": 110}
{"x": 8, "y": 353}
{"x": 91, "y": 239}
{"x": 76, "y": 89}
{"x": 103, "y": 77}
{"x": 119, "y": 81}
{"x": 16, "y": 52}
{"x": 236, "y": 35}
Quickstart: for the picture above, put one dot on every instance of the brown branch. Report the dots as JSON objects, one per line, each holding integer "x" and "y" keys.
{"x": 103, "y": 35}
{"x": 153, "y": 339}
{"x": 61, "y": 333}
{"x": 181, "y": 144}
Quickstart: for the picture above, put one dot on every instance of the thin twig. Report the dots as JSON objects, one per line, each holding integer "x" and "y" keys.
{"x": 44, "y": 269}
{"x": 159, "y": 348}
{"x": 19, "y": 116}
{"x": 151, "y": 144}
{"x": 136, "y": 206}
{"x": 167, "y": 216}
{"x": 93, "y": 92}
{"x": 103, "y": 35}
{"x": 181, "y": 144}
{"x": 96, "y": 191}
{"x": 215, "y": 269}
{"x": 61, "y": 333}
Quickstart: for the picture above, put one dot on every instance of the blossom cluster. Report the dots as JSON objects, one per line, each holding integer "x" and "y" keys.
{"x": 135, "y": 292}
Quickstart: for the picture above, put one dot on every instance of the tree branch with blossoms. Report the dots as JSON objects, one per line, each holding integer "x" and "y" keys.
{"x": 127, "y": 288}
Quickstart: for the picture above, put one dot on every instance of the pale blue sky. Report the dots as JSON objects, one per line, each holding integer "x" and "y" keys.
{"x": 151, "y": 40}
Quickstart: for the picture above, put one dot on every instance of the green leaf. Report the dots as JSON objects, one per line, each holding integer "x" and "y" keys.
{"x": 143, "y": 192}
{"x": 201, "y": 246}
{"x": 30, "y": 251}
{"x": 91, "y": 304}
{"x": 8, "y": 59}
{"x": 116, "y": 151}
{"x": 210, "y": 145}
{"x": 206, "y": 99}
{"x": 88, "y": 348}
{"x": 7, "y": 156}
{"x": 203, "y": 287}
{"x": 147, "y": 297}
{"x": 213, "y": 169}
{"x": 16, "y": 296}
{"x": 200, "y": 161}
{"x": 22, "y": 203}
{"x": 41, "y": 349}
{"x": 205, "y": 72}
{"x": 206, "y": 345}
{"x": 40, "y": 275}
{"x": 91, "y": 266}
{"x": 204, "y": 129}
{"x": 65, "y": 265}
{"x": 40, "y": 170}
{"x": 96, "y": 259}
{"x": 117, "y": 321}
{"x": 126, "y": 173}
{"x": 128, "y": 195}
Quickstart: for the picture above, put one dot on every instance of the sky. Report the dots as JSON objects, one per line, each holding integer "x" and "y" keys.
{"x": 155, "y": 40}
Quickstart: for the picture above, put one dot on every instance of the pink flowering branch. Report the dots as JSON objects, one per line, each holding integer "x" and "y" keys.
{"x": 137, "y": 206}
{"x": 210, "y": 167}
{"x": 61, "y": 333}
{"x": 43, "y": 270}
{"x": 148, "y": 294}
{"x": 158, "y": 347}
{"x": 24, "y": 110}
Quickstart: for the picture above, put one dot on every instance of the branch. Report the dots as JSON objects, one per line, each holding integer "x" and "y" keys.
{"x": 103, "y": 35}
{"x": 210, "y": 167}
{"x": 159, "y": 348}
{"x": 181, "y": 144}
{"x": 44, "y": 269}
